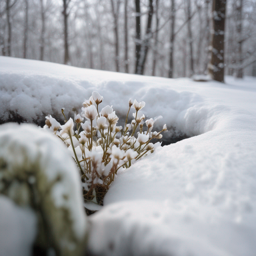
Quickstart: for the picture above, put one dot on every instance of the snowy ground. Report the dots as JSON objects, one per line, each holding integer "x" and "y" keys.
{"x": 195, "y": 197}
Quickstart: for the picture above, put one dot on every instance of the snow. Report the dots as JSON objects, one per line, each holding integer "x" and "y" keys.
{"x": 194, "y": 197}
{"x": 28, "y": 145}
{"x": 17, "y": 229}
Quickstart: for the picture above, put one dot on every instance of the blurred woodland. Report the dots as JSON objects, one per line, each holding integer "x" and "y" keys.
{"x": 167, "y": 38}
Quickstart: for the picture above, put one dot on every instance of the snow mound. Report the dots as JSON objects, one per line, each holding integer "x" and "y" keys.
{"x": 35, "y": 164}
{"x": 30, "y": 90}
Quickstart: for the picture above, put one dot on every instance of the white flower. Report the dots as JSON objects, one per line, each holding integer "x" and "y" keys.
{"x": 130, "y": 103}
{"x": 52, "y": 123}
{"x": 86, "y": 103}
{"x": 139, "y": 117}
{"x": 97, "y": 97}
{"x": 67, "y": 127}
{"x": 138, "y": 106}
{"x": 118, "y": 128}
{"x": 130, "y": 154}
{"x": 156, "y": 135}
{"x": 164, "y": 127}
{"x": 106, "y": 111}
{"x": 86, "y": 126}
{"x": 150, "y": 146}
{"x": 96, "y": 156}
{"x": 132, "y": 141}
{"x": 150, "y": 123}
{"x": 102, "y": 123}
{"x": 142, "y": 138}
{"x": 78, "y": 118}
{"x": 116, "y": 141}
{"x": 128, "y": 127}
{"x": 90, "y": 112}
{"x": 117, "y": 152}
{"x": 83, "y": 139}
{"x": 112, "y": 118}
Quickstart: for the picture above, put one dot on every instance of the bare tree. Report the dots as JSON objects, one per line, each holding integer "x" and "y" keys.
{"x": 115, "y": 12}
{"x": 65, "y": 14}
{"x": 126, "y": 42}
{"x": 9, "y": 6}
{"x": 208, "y": 35}
{"x": 239, "y": 26}
{"x": 155, "y": 48}
{"x": 190, "y": 39}
{"x": 142, "y": 45}
{"x": 42, "y": 35}
{"x": 2, "y": 28}
{"x": 217, "y": 64}
{"x": 172, "y": 37}
{"x": 25, "y": 36}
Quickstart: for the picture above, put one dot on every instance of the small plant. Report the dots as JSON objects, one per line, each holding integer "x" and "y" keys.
{"x": 100, "y": 147}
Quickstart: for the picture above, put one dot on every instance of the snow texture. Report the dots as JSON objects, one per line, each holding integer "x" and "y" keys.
{"x": 195, "y": 197}
{"x": 17, "y": 229}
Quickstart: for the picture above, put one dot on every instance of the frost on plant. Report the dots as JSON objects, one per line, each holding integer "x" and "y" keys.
{"x": 100, "y": 147}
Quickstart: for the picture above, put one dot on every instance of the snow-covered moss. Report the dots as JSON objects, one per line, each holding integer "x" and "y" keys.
{"x": 37, "y": 171}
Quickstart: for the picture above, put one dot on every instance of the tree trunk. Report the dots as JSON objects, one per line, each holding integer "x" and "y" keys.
{"x": 172, "y": 37}
{"x": 138, "y": 34}
{"x": 115, "y": 13}
{"x": 155, "y": 49}
{"x": 208, "y": 36}
{"x": 190, "y": 39}
{"x": 42, "y": 10}
{"x": 217, "y": 64}
{"x": 126, "y": 42}
{"x": 239, "y": 27}
{"x": 200, "y": 39}
{"x": 25, "y": 36}
{"x": 65, "y": 19}
{"x": 9, "y": 29}
{"x": 145, "y": 43}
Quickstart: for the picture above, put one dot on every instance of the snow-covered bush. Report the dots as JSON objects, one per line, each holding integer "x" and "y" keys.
{"x": 37, "y": 174}
{"x": 100, "y": 147}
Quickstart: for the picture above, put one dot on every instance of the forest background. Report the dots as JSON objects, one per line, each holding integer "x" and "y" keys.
{"x": 167, "y": 38}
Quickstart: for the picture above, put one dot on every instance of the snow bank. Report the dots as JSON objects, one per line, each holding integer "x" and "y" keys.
{"x": 195, "y": 197}
{"x": 31, "y": 89}
{"x": 35, "y": 164}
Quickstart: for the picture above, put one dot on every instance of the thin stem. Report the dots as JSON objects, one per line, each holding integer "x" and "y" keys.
{"x": 126, "y": 120}
{"x": 77, "y": 161}
{"x": 91, "y": 137}
{"x": 62, "y": 111}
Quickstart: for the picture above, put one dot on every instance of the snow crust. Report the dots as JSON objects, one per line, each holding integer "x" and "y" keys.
{"x": 195, "y": 197}
{"x": 17, "y": 229}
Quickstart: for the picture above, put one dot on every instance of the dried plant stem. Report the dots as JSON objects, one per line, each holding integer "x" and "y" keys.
{"x": 77, "y": 161}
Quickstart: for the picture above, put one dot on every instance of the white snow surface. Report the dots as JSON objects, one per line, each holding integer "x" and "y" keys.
{"x": 194, "y": 197}
{"x": 17, "y": 229}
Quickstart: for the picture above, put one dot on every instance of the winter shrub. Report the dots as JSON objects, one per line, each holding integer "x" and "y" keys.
{"x": 100, "y": 147}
